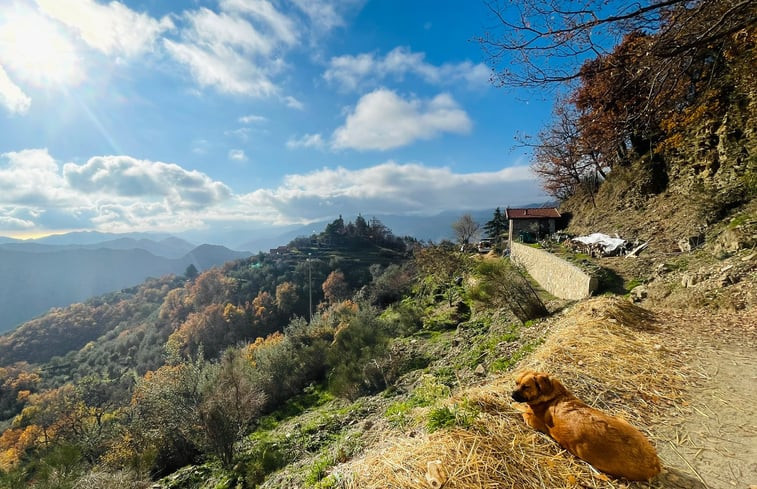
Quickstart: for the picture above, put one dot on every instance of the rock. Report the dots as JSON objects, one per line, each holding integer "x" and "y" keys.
{"x": 480, "y": 370}
{"x": 435, "y": 475}
{"x": 734, "y": 239}
{"x": 728, "y": 279}
{"x": 689, "y": 243}
{"x": 662, "y": 269}
{"x": 690, "y": 279}
{"x": 639, "y": 293}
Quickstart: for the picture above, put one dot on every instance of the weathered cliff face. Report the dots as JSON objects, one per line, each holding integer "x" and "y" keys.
{"x": 720, "y": 155}
{"x": 704, "y": 173}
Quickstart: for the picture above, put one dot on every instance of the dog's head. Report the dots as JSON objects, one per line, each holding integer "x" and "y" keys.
{"x": 536, "y": 387}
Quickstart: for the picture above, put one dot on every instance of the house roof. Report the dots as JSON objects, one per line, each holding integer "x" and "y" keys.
{"x": 533, "y": 213}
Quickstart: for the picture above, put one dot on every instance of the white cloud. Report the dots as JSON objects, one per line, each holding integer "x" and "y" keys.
{"x": 323, "y": 14}
{"x": 208, "y": 27}
{"x": 243, "y": 133}
{"x": 109, "y": 193}
{"x": 31, "y": 178}
{"x": 351, "y": 72}
{"x": 237, "y": 155}
{"x": 392, "y": 188}
{"x": 293, "y": 103}
{"x": 307, "y": 141}
{"x": 383, "y": 120}
{"x": 222, "y": 67}
{"x": 251, "y": 118}
{"x": 233, "y": 51}
{"x": 280, "y": 25}
{"x": 124, "y": 176}
{"x": 11, "y": 96}
{"x": 13, "y": 223}
{"x": 113, "y": 29}
{"x": 200, "y": 146}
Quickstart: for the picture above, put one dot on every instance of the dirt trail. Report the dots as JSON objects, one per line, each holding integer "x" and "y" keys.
{"x": 711, "y": 442}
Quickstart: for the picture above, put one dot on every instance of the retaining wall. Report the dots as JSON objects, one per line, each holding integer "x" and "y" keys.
{"x": 555, "y": 275}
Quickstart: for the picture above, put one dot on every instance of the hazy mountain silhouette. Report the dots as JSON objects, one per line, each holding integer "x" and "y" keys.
{"x": 31, "y": 282}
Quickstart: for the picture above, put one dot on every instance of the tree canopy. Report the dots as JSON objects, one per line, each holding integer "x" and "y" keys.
{"x": 632, "y": 77}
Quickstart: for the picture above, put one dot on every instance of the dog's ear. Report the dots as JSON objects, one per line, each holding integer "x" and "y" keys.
{"x": 523, "y": 375}
{"x": 544, "y": 383}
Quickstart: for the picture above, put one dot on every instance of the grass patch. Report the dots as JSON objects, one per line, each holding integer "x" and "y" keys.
{"x": 314, "y": 396}
{"x": 318, "y": 471}
{"x": 458, "y": 415}
{"x": 428, "y": 391}
{"x": 503, "y": 364}
{"x": 490, "y": 346}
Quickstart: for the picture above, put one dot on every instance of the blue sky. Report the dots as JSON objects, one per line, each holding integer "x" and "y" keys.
{"x": 150, "y": 115}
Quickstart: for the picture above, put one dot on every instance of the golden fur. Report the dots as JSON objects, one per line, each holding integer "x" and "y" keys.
{"x": 609, "y": 444}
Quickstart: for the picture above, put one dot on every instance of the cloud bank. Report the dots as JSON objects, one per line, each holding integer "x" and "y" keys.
{"x": 122, "y": 193}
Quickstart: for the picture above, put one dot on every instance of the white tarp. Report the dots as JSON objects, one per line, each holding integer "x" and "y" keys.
{"x": 609, "y": 245}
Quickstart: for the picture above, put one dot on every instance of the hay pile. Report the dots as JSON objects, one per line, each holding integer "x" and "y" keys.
{"x": 609, "y": 352}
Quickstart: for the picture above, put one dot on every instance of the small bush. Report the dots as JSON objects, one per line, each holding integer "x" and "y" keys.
{"x": 460, "y": 415}
{"x": 318, "y": 470}
{"x": 439, "y": 418}
{"x": 500, "y": 283}
{"x": 264, "y": 459}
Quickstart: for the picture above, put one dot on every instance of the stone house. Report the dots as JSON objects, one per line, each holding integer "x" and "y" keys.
{"x": 531, "y": 224}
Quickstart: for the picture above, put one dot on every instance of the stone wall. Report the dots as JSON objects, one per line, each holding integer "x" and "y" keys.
{"x": 555, "y": 275}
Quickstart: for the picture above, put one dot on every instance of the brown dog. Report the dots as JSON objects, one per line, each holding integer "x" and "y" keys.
{"x": 607, "y": 443}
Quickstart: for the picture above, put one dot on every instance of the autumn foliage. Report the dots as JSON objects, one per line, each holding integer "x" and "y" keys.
{"x": 677, "y": 69}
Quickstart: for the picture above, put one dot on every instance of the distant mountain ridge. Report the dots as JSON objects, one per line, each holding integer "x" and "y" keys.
{"x": 35, "y": 277}
{"x": 169, "y": 247}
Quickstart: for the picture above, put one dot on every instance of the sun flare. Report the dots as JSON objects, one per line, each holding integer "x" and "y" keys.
{"x": 37, "y": 50}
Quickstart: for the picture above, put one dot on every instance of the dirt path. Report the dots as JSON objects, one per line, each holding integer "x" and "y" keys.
{"x": 711, "y": 442}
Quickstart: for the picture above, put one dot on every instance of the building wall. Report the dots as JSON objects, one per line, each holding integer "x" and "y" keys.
{"x": 555, "y": 275}
{"x": 539, "y": 227}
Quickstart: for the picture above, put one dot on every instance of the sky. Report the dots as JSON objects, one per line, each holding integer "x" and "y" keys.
{"x": 148, "y": 115}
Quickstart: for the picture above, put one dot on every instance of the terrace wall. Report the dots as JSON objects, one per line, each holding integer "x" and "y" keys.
{"x": 557, "y": 276}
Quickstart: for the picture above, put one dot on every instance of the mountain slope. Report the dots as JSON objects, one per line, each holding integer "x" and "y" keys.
{"x": 33, "y": 282}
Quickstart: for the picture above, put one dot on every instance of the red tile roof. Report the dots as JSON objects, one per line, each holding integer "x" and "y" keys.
{"x": 533, "y": 213}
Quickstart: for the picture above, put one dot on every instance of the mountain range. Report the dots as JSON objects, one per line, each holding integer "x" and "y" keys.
{"x": 40, "y": 274}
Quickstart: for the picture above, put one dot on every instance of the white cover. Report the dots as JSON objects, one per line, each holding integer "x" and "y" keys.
{"x": 608, "y": 244}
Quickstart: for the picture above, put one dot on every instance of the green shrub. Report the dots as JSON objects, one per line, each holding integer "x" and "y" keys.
{"x": 502, "y": 284}
{"x": 267, "y": 455}
{"x": 460, "y": 415}
{"x": 427, "y": 392}
{"x": 318, "y": 470}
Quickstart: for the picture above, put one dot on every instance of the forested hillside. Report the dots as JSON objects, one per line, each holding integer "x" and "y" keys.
{"x": 90, "y": 379}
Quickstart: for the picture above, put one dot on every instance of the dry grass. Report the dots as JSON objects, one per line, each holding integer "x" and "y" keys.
{"x": 607, "y": 351}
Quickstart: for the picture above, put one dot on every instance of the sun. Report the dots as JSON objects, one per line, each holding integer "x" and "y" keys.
{"x": 35, "y": 49}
